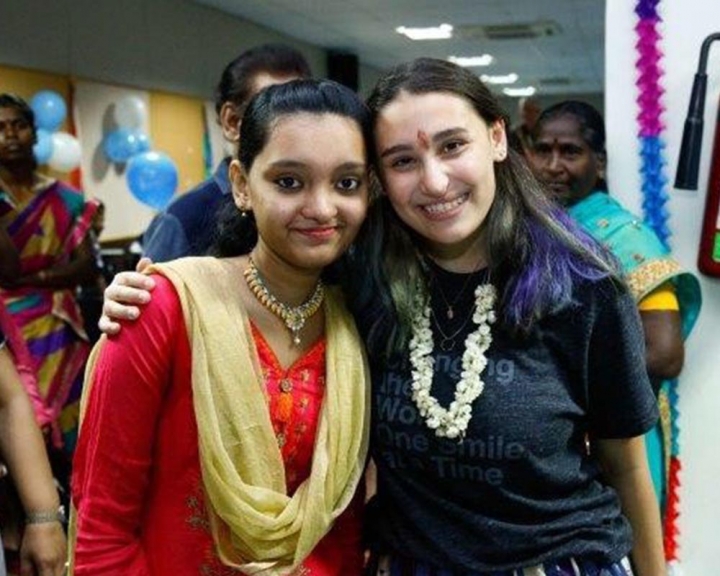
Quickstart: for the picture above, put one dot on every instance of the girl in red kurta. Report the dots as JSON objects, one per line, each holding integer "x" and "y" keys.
{"x": 225, "y": 432}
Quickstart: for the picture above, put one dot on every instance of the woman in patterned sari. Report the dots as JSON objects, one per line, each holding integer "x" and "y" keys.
{"x": 47, "y": 223}
{"x": 569, "y": 156}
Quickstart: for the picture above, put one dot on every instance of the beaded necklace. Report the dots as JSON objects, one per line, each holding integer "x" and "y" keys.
{"x": 294, "y": 317}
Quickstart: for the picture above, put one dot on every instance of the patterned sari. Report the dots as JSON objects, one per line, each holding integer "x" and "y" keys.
{"x": 45, "y": 232}
{"x": 648, "y": 266}
{"x": 24, "y": 365}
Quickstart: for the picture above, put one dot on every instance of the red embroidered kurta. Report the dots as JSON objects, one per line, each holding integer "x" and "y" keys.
{"x": 137, "y": 482}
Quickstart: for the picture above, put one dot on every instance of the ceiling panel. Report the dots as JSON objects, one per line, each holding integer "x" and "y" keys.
{"x": 573, "y": 58}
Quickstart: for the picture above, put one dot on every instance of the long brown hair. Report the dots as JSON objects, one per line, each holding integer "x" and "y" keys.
{"x": 535, "y": 252}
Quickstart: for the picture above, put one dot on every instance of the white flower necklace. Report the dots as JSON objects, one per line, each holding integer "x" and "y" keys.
{"x": 451, "y": 422}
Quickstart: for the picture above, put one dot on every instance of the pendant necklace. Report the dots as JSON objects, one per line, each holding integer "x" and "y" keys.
{"x": 450, "y": 310}
{"x": 294, "y": 317}
{"x": 447, "y": 341}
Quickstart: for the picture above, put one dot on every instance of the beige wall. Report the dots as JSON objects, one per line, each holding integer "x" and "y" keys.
{"x": 177, "y": 126}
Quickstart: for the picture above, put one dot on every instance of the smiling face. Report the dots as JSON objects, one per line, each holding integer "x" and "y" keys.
{"x": 307, "y": 189}
{"x": 564, "y": 161}
{"x": 436, "y": 160}
{"x": 16, "y": 136}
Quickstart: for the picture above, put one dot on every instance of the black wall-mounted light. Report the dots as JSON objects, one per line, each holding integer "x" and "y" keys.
{"x": 688, "y": 165}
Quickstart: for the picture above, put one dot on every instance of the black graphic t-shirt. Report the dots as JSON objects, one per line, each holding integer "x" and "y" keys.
{"x": 520, "y": 488}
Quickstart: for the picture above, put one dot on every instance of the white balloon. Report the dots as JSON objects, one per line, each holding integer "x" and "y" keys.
{"x": 130, "y": 112}
{"x": 66, "y": 154}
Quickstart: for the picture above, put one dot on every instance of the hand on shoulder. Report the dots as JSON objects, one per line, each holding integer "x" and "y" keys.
{"x": 124, "y": 296}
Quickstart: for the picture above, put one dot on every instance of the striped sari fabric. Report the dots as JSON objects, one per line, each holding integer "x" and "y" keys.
{"x": 45, "y": 232}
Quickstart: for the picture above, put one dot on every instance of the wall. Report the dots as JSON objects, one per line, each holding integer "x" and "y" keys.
{"x": 174, "y": 48}
{"x": 685, "y": 25}
{"x": 171, "y": 45}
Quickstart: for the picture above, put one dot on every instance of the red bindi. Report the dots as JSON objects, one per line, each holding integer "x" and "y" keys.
{"x": 423, "y": 139}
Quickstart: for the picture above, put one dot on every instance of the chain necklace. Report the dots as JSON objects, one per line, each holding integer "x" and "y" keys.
{"x": 447, "y": 341}
{"x": 294, "y": 317}
{"x": 450, "y": 311}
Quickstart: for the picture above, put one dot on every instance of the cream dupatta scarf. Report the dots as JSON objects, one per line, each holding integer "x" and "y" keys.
{"x": 256, "y": 526}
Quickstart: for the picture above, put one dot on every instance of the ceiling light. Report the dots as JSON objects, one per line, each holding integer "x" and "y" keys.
{"x": 470, "y": 61}
{"x": 441, "y": 32}
{"x": 519, "y": 92}
{"x": 500, "y": 79}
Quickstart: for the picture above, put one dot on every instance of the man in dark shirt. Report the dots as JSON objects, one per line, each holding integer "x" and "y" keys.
{"x": 188, "y": 226}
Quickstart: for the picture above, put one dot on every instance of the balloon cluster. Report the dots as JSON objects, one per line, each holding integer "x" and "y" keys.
{"x": 128, "y": 138}
{"x": 152, "y": 176}
{"x": 59, "y": 150}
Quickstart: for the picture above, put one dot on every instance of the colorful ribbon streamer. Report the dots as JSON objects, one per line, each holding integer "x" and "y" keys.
{"x": 650, "y": 92}
{"x": 654, "y": 192}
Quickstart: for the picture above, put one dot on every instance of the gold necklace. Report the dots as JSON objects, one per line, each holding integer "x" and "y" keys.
{"x": 447, "y": 342}
{"x": 450, "y": 311}
{"x": 294, "y": 317}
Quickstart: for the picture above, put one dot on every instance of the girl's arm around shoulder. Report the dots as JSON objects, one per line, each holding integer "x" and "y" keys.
{"x": 114, "y": 456}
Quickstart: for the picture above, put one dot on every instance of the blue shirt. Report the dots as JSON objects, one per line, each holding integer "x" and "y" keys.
{"x": 188, "y": 227}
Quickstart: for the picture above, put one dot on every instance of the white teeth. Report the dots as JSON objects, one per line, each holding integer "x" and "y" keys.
{"x": 441, "y": 207}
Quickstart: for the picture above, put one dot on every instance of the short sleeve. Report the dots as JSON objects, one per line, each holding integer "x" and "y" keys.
{"x": 621, "y": 400}
{"x": 661, "y": 298}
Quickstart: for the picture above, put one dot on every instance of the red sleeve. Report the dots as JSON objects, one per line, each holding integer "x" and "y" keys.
{"x": 114, "y": 452}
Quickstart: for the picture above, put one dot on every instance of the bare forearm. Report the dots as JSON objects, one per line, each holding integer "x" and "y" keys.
{"x": 637, "y": 498}
{"x": 22, "y": 446}
{"x": 62, "y": 276}
{"x": 664, "y": 349}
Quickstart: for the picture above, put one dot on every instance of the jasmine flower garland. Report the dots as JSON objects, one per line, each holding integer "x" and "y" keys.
{"x": 451, "y": 422}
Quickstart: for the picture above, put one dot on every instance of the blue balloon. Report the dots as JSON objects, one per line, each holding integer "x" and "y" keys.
{"x": 43, "y": 148}
{"x": 122, "y": 144}
{"x": 50, "y": 110}
{"x": 152, "y": 178}
{"x": 143, "y": 141}
{"x": 119, "y": 145}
